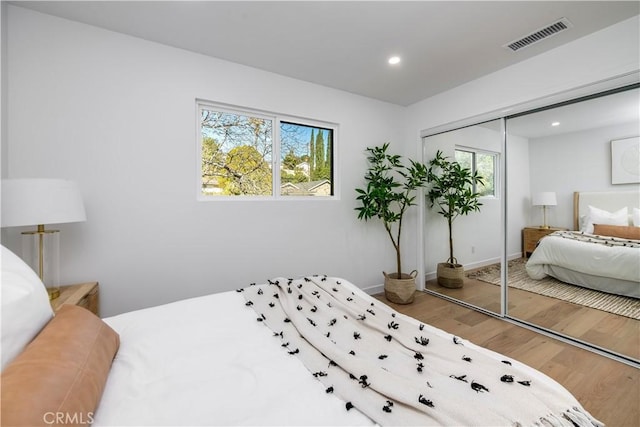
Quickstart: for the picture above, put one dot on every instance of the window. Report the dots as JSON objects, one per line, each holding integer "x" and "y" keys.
{"x": 252, "y": 154}
{"x": 485, "y": 163}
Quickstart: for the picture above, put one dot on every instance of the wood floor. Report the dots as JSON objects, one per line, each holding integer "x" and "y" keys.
{"x": 608, "y": 389}
{"x": 617, "y": 333}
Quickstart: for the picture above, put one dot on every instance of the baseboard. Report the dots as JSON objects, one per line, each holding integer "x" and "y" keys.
{"x": 432, "y": 275}
{"x": 372, "y": 290}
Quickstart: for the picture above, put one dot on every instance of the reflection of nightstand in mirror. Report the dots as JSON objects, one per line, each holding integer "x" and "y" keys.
{"x": 83, "y": 294}
{"x": 532, "y": 235}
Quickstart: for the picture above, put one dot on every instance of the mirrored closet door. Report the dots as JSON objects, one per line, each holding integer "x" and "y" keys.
{"x": 541, "y": 158}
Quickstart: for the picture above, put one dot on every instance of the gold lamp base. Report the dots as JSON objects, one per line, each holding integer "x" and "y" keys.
{"x": 41, "y": 251}
{"x": 544, "y": 215}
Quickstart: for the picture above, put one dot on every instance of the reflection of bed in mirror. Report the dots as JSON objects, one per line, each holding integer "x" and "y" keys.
{"x": 603, "y": 251}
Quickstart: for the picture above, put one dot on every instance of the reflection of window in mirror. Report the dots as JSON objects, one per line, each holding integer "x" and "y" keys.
{"x": 482, "y": 162}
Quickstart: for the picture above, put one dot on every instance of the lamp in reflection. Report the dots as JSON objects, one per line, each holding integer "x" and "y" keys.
{"x": 545, "y": 199}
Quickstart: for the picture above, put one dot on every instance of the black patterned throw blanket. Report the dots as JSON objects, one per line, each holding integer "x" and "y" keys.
{"x": 596, "y": 239}
{"x": 398, "y": 371}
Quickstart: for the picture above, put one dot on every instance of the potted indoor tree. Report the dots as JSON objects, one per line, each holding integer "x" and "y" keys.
{"x": 390, "y": 191}
{"x": 452, "y": 191}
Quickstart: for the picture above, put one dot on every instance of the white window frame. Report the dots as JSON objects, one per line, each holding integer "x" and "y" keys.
{"x": 276, "y": 119}
{"x": 496, "y": 168}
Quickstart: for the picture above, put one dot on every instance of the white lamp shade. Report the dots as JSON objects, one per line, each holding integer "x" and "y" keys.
{"x": 40, "y": 201}
{"x": 547, "y": 198}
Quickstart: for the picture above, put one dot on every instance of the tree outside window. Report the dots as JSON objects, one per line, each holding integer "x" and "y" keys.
{"x": 483, "y": 162}
{"x": 240, "y": 152}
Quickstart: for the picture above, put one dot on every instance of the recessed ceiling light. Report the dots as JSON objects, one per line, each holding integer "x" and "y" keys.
{"x": 394, "y": 60}
{"x": 555, "y": 124}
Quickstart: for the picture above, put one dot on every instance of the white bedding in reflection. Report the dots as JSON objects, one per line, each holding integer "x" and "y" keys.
{"x": 574, "y": 259}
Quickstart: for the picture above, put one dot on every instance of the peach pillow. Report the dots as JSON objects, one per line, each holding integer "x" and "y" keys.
{"x": 60, "y": 376}
{"x": 621, "y": 231}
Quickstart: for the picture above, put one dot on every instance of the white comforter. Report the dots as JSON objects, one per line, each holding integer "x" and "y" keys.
{"x": 580, "y": 252}
{"x": 206, "y": 361}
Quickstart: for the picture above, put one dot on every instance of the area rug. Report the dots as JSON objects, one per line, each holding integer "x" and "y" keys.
{"x": 551, "y": 287}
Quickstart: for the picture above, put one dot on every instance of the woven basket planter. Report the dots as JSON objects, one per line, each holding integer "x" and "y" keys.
{"x": 400, "y": 290}
{"x": 450, "y": 275}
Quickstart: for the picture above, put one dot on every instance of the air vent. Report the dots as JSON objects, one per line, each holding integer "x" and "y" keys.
{"x": 539, "y": 35}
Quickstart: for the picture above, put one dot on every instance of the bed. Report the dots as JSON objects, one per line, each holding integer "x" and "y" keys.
{"x": 602, "y": 252}
{"x": 314, "y": 350}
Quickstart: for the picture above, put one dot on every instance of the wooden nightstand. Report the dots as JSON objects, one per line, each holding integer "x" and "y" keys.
{"x": 83, "y": 294}
{"x": 532, "y": 235}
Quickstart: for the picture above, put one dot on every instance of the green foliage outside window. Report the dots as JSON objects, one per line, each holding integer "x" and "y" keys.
{"x": 482, "y": 163}
{"x": 236, "y": 152}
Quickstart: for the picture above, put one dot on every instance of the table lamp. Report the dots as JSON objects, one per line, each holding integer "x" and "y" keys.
{"x": 40, "y": 202}
{"x": 544, "y": 199}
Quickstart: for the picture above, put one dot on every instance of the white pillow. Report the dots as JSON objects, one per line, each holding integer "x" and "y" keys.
{"x": 583, "y": 222}
{"x": 25, "y": 306}
{"x": 635, "y": 217}
{"x": 599, "y": 216}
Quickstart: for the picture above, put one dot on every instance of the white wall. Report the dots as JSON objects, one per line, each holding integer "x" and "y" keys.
{"x": 117, "y": 114}
{"x": 577, "y": 161}
{"x": 607, "y": 54}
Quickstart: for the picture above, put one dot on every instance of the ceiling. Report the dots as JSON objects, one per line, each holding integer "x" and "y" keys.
{"x": 345, "y": 45}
